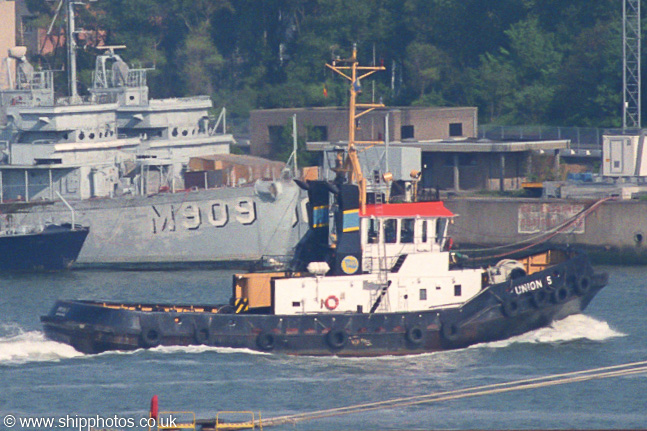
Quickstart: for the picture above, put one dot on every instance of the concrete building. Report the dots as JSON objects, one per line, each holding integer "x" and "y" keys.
{"x": 408, "y": 124}
{"x": 448, "y": 152}
{"x": 482, "y": 165}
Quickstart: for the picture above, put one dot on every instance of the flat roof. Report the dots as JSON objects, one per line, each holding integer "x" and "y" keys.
{"x": 408, "y": 209}
{"x": 382, "y": 109}
{"x": 459, "y": 146}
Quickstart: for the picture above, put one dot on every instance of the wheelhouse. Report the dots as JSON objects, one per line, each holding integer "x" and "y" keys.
{"x": 394, "y": 230}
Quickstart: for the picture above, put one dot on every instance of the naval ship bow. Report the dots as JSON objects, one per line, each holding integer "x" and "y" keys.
{"x": 366, "y": 280}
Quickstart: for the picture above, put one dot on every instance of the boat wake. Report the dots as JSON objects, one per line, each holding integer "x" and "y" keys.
{"x": 203, "y": 348}
{"x": 572, "y": 328}
{"x": 19, "y": 347}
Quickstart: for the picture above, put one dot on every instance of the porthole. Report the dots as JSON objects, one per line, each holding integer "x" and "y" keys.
{"x": 638, "y": 238}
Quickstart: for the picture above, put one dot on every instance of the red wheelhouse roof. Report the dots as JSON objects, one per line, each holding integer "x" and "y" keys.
{"x": 408, "y": 209}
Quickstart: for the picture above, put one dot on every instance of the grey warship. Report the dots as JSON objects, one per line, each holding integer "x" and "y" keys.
{"x": 119, "y": 157}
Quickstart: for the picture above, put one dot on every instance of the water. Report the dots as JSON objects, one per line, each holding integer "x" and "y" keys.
{"x": 40, "y": 378}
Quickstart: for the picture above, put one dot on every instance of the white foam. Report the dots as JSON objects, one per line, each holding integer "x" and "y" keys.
{"x": 193, "y": 349}
{"x": 575, "y": 327}
{"x": 20, "y": 347}
{"x": 203, "y": 348}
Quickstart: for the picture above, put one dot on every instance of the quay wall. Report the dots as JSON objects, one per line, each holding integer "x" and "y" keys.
{"x": 613, "y": 232}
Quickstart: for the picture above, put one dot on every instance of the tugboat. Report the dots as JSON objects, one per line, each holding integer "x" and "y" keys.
{"x": 366, "y": 280}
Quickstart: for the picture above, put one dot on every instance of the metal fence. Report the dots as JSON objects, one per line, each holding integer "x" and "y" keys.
{"x": 582, "y": 138}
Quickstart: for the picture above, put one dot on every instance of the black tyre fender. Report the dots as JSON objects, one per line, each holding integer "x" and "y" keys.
{"x": 517, "y": 273}
{"x": 539, "y": 298}
{"x": 414, "y": 335}
{"x": 510, "y": 307}
{"x": 583, "y": 285}
{"x": 151, "y": 336}
{"x": 571, "y": 281}
{"x": 560, "y": 295}
{"x": 265, "y": 341}
{"x": 337, "y": 338}
{"x": 202, "y": 334}
{"x": 450, "y": 331}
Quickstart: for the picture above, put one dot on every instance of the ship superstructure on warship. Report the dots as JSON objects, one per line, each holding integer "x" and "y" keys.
{"x": 119, "y": 157}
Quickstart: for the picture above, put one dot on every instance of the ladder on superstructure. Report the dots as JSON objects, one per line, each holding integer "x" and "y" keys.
{"x": 382, "y": 258}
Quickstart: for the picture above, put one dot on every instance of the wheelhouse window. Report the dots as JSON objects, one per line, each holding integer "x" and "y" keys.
{"x": 441, "y": 224}
{"x": 390, "y": 231}
{"x": 373, "y": 231}
{"x": 406, "y": 230}
{"x": 423, "y": 294}
{"x": 423, "y": 237}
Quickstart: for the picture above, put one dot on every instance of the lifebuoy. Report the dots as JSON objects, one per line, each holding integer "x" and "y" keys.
{"x": 336, "y": 338}
{"x": 150, "y": 337}
{"x": 510, "y": 307}
{"x": 202, "y": 334}
{"x": 560, "y": 295}
{"x": 265, "y": 341}
{"x": 583, "y": 285}
{"x": 331, "y": 302}
{"x": 414, "y": 335}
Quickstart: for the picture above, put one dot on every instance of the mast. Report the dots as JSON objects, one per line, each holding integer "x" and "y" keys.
{"x": 71, "y": 50}
{"x": 351, "y": 165}
{"x": 631, "y": 64}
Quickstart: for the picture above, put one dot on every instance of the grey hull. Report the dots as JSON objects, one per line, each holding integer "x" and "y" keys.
{"x": 210, "y": 226}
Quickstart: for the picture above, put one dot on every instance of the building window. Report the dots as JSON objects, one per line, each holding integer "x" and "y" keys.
{"x": 318, "y": 133}
{"x": 463, "y": 160}
{"x": 276, "y": 134}
{"x": 457, "y": 290}
{"x": 467, "y": 160}
{"x": 455, "y": 129}
{"x": 406, "y": 230}
{"x": 406, "y": 132}
{"x": 423, "y": 294}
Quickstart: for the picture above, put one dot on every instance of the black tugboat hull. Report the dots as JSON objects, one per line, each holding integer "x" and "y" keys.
{"x": 55, "y": 248}
{"x": 497, "y": 312}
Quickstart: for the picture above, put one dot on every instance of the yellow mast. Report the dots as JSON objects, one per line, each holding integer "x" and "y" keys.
{"x": 352, "y": 165}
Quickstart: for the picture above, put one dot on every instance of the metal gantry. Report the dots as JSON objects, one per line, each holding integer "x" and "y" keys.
{"x": 631, "y": 64}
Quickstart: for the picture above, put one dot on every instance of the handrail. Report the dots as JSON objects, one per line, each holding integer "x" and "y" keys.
{"x": 221, "y": 118}
{"x": 70, "y": 208}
